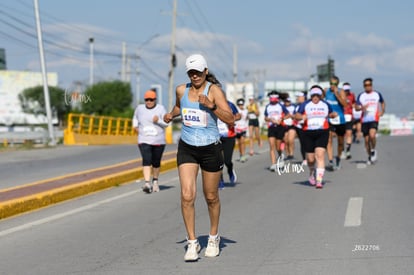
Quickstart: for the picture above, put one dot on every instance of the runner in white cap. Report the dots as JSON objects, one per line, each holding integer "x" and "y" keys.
{"x": 315, "y": 113}
{"x": 241, "y": 129}
{"x": 275, "y": 114}
{"x": 348, "y": 112}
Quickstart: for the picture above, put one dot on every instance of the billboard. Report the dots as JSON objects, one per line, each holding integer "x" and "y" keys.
{"x": 12, "y": 83}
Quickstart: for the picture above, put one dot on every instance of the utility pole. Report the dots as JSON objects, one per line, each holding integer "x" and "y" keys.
{"x": 234, "y": 64}
{"x": 173, "y": 61}
{"x": 138, "y": 79}
{"x": 44, "y": 74}
{"x": 123, "y": 61}
{"x": 91, "y": 61}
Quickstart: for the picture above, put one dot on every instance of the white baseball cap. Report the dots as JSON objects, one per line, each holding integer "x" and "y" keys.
{"x": 299, "y": 94}
{"x": 346, "y": 87}
{"x": 196, "y": 62}
{"x": 315, "y": 91}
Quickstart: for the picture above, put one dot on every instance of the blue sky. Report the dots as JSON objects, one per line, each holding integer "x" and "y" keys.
{"x": 276, "y": 40}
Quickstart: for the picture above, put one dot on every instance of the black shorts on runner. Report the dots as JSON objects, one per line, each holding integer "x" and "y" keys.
{"x": 315, "y": 138}
{"x": 241, "y": 134}
{"x": 277, "y": 132}
{"x": 254, "y": 122}
{"x": 339, "y": 129}
{"x": 349, "y": 125}
{"x": 368, "y": 125}
{"x": 151, "y": 154}
{"x": 209, "y": 157}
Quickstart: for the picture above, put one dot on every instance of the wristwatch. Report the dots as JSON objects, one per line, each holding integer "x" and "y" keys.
{"x": 213, "y": 108}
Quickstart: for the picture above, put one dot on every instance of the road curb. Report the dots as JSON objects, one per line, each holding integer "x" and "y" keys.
{"x": 43, "y": 199}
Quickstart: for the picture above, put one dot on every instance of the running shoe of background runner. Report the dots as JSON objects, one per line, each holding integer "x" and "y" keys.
{"x": 147, "y": 188}
{"x": 233, "y": 177}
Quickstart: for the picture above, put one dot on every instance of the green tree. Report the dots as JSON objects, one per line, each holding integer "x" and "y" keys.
{"x": 32, "y": 101}
{"x": 108, "y": 98}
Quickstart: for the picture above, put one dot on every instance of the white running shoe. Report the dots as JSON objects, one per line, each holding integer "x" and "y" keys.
{"x": 147, "y": 188}
{"x": 273, "y": 167}
{"x": 193, "y": 249}
{"x": 213, "y": 247}
{"x": 343, "y": 155}
{"x": 281, "y": 164}
{"x": 155, "y": 186}
{"x": 374, "y": 155}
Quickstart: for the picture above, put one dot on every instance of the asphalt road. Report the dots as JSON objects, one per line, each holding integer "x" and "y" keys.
{"x": 25, "y": 166}
{"x": 360, "y": 223}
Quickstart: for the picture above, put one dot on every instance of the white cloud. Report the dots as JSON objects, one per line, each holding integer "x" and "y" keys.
{"x": 352, "y": 42}
{"x": 403, "y": 59}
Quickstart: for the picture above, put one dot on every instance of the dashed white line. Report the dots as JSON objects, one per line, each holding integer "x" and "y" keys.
{"x": 353, "y": 216}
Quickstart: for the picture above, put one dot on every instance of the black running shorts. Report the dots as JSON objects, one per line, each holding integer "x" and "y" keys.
{"x": 366, "y": 126}
{"x": 277, "y": 132}
{"x": 315, "y": 138}
{"x": 209, "y": 157}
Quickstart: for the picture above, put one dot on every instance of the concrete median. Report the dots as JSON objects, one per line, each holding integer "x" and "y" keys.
{"x": 14, "y": 201}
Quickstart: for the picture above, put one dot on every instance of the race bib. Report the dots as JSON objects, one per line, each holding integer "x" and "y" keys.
{"x": 252, "y": 116}
{"x": 335, "y": 121}
{"x": 348, "y": 118}
{"x": 194, "y": 117}
{"x": 222, "y": 127}
{"x": 316, "y": 122}
{"x": 289, "y": 122}
{"x": 240, "y": 128}
{"x": 371, "y": 110}
{"x": 150, "y": 131}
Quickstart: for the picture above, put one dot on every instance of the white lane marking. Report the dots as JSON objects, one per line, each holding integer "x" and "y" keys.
{"x": 353, "y": 216}
{"x": 64, "y": 214}
{"x": 71, "y": 212}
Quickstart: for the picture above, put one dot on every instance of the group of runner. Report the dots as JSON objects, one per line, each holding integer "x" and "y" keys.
{"x": 327, "y": 114}
{"x": 210, "y": 126}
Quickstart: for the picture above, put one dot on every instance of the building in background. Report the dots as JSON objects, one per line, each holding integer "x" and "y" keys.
{"x": 12, "y": 83}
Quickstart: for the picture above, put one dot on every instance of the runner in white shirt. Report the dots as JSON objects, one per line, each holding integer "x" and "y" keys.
{"x": 148, "y": 122}
{"x": 315, "y": 112}
{"x": 241, "y": 127}
{"x": 290, "y": 133}
{"x": 372, "y": 105}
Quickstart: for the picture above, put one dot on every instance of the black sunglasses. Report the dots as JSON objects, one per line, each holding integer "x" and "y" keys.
{"x": 150, "y": 99}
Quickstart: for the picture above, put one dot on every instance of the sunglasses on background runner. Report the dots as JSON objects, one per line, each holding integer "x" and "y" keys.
{"x": 150, "y": 99}
{"x": 334, "y": 83}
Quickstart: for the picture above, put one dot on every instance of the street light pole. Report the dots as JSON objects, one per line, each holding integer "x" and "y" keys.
{"x": 173, "y": 60}
{"x": 44, "y": 74}
{"x": 91, "y": 61}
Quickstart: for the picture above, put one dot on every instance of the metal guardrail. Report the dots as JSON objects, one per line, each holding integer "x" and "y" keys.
{"x": 99, "y": 125}
{"x": 98, "y": 130}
